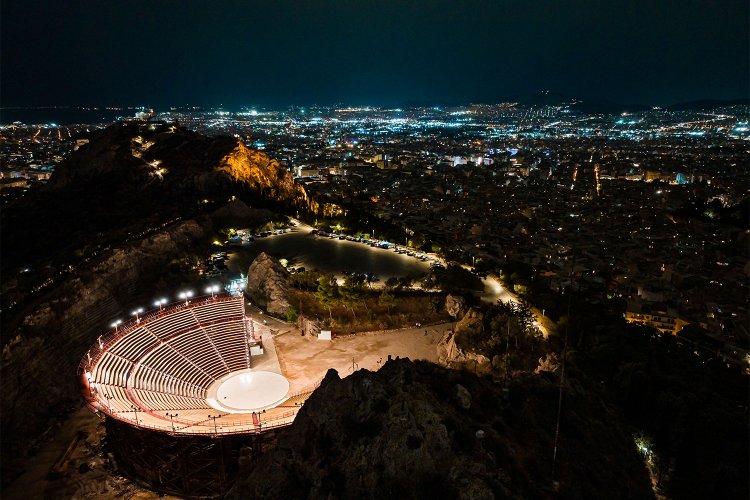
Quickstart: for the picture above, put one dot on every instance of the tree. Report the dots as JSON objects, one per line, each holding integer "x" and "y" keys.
{"x": 292, "y": 313}
{"x": 328, "y": 292}
{"x": 387, "y": 299}
{"x": 417, "y": 240}
{"x": 351, "y": 292}
{"x": 391, "y": 282}
{"x": 306, "y": 280}
{"x": 369, "y": 277}
{"x": 522, "y": 311}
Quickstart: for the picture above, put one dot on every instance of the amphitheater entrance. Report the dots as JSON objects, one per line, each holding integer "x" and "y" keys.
{"x": 247, "y": 391}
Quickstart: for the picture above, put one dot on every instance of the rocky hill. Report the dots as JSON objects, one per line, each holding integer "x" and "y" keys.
{"x": 44, "y": 346}
{"x": 130, "y": 178}
{"x": 119, "y": 223}
{"x": 417, "y": 430}
{"x": 137, "y": 157}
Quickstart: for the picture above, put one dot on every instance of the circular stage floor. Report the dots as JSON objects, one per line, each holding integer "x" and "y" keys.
{"x": 246, "y": 391}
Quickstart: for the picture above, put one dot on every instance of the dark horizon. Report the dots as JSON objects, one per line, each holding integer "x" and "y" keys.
{"x": 370, "y": 53}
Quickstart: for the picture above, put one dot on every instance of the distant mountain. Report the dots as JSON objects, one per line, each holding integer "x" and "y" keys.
{"x": 602, "y": 106}
{"x": 605, "y": 106}
{"x": 704, "y": 104}
{"x": 584, "y": 105}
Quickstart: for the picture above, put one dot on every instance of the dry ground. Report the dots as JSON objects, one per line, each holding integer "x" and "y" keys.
{"x": 305, "y": 360}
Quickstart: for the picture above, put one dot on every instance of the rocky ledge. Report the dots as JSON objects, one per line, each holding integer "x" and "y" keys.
{"x": 417, "y": 430}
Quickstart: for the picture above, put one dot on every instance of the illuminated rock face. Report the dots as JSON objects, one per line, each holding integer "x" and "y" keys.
{"x": 133, "y": 158}
{"x": 263, "y": 173}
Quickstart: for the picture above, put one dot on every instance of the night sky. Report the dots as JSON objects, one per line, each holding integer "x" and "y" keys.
{"x": 282, "y": 52}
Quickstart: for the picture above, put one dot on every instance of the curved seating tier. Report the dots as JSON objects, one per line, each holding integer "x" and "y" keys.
{"x": 164, "y": 364}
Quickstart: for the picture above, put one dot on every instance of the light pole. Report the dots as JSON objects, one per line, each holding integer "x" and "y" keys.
{"x": 115, "y": 324}
{"x": 88, "y": 379}
{"x": 186, "y": 295}
{"x": 109, "y": 403}
{"x": 171, "y": 418}
{"x": 135, "y": 411}
{"x": 136, "y": 313}
{"x": 160, "y": 303}
{"x": 214, "y": 417}
{"x": 212, "y": 290}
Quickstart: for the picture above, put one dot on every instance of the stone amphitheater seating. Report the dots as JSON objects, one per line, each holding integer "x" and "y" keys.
{"x": 168, "y": 360}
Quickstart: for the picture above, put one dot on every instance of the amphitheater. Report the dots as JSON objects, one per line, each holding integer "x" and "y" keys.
{"x": 193, "y": 392}
{"x": 188, "y": 369}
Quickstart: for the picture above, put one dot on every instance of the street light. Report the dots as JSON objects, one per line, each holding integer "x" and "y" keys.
{"x": 186, "y": 295}
{"x": 88, "y": 381}
{"x": 213, "y": 290}
{"x": 160, "y": 303}
{"x": 115, "y": 324}
{"x": 136, "y": 313}
{"x": 109, "y": 404}
{"x": 171, "y": 418}
{"x": 214, "y": 417}
{"x": 135, "y": 411}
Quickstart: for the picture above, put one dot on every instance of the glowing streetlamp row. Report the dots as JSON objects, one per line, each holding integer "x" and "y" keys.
{"x": 186, "y": 296}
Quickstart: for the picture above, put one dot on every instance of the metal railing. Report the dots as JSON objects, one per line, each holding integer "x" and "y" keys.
{"x": 205, "y": 426}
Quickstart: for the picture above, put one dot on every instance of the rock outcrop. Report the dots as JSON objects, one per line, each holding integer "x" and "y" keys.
{"x": 416, "y": 430}
{"x": 455, "y": 305}
{"x": 264, "y": 174}
{"x": 452, "y": 356}
{"x": 268, "y": 284}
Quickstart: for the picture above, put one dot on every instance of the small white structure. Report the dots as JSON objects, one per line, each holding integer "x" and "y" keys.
{"x": 324, "y": 335}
